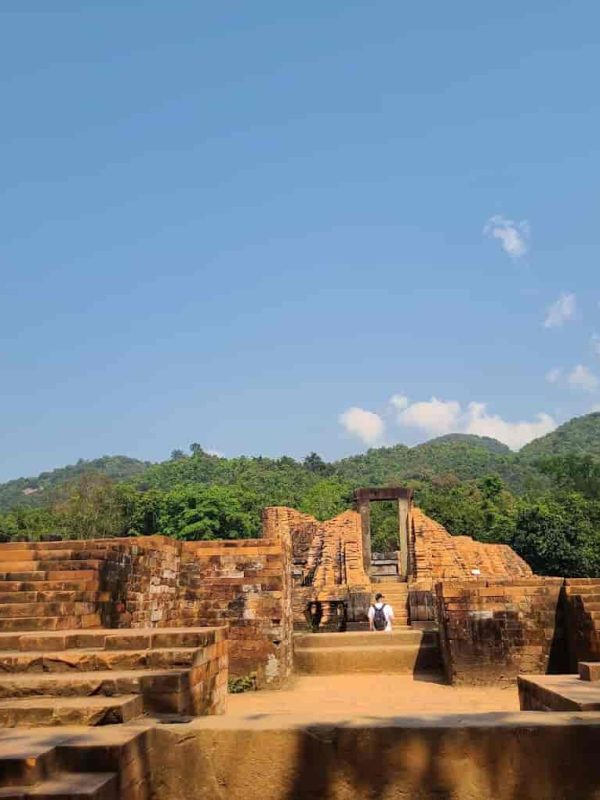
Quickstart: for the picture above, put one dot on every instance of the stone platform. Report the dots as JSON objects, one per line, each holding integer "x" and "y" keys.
{"x": 504, "y": 756}
{"x": 403, "y": 650}
{"x": 562, "y": 692}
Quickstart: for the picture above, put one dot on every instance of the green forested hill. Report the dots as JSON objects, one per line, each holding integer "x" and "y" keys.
{"x": 461, "y": 456}
{"x": 578, "y": 436}
{"x": 32, "y": 492}
{"x": 543, "y": 501}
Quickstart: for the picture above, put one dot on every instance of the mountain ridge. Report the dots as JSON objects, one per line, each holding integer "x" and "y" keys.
{"x": 465, "y": 456}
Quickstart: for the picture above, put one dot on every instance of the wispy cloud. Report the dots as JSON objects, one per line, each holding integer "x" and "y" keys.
{"x": 436, "y": 417}
{"x": 596, "y": 344}
{"x": 366, "y": 425}
{"x": 581, "y": 377}
{"x": 513, "y": 236}
{"x": 561, "y": 311}
{"x": 553, "y": 375}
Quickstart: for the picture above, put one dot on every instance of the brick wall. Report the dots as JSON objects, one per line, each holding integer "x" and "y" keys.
{"x": 490, "y": 631}
{"x": 246, "y": 585}
{"x": 436, "y": 555}
{"x": 160, "y": 582}
{"x": 141, "y": 576}
{"x": 327, "y": 565}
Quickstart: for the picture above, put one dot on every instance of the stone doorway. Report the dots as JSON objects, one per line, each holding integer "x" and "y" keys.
{"x": 382, "y": 566}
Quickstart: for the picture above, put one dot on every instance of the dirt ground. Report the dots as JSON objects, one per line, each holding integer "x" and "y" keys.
{"x": 329, "y": 696}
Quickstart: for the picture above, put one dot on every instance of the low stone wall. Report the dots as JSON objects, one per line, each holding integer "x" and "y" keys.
{"x": 526, "y": 756}
{"x": 490, "y": 631}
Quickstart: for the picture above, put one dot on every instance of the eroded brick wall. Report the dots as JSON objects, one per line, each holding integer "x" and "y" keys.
{"x": 141, "y": 580}
{"x": 160, "y": 582}
{"x": 246, "y": 585}
{"x": 490, "y": 631}
{"x": 327, "y": 563}
{"x": 436, "y": 555}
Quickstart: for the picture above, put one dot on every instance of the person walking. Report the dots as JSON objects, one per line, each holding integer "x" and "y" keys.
{"x": 381, "y": 614}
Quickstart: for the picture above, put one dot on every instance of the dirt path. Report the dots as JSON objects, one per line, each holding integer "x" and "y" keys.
{"x": 331, "y": 696}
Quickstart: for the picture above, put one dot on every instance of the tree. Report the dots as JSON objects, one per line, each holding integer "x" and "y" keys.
{"x": 178, "y": 455}
{"x": 558, "y": 535}
{"x": 196, "y": 449}
{"x": 327, "y": 499}
{"x": 91, "y": 507}
{"x": 314, "y": 463}
{"x": 211, "y": 512}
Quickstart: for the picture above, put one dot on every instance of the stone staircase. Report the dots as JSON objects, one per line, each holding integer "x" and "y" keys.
{"x": 583, "y": 618}
{"x": 403, "y": 650}
{"x": 77, "y": 764}
{"x": 105, "y": 677}
{"x": 396, "y": 594}
{"x": 50, "y": 586}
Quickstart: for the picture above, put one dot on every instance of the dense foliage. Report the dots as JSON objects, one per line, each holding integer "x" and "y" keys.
{"x": 546, "y": 506}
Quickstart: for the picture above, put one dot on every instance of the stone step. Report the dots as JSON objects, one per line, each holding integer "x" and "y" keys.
{"x": 45, "y": 711}
{"x": 113, "y": 683}
{"x": 50, "y": 575}
{"x": 50, "y": 586}
{"x": 28, "y": 756}
{"x": 584, "y": 589}
{"x": 22, "y": 610}
{"x": 73, "y": 661}
{"x": 23, "y": 763}
{"x": 69, "y": 596}
{"x": 593, "y": 605}
{"x": 111, "y": 639}
{"x": 24, "y": 624}
{"x": 62, "y": 544}
{"x": 46, "y": 554}
{"x": 68, "y": 786}
{"x": 369, "y": 639}
{"x": 392, "y": 659}
{"x": 55, "y": 566}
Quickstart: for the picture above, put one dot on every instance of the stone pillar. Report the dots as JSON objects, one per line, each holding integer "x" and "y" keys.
{"x": 403, "y": 534}
{"x": 365, "y": 522}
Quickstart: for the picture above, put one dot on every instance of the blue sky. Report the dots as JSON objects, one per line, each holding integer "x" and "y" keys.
{"x": 282, "y": 227}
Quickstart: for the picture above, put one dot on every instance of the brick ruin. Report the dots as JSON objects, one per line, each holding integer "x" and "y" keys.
{"x": 114, "y": 632}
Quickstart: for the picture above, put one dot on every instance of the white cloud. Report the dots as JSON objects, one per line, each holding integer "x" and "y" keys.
{"x": 437, "y": 417}
{"x": 513, "y": 236}
{"x": 513, "y": 434}
{"x": 581, "y": 377}
{"x": 560, "y": 311}
{"x": 398, "y": 402}
{"x": 433, "y": 416}
{"x": 553, "y": 375}
{"x": 365, "y": 424}
{"x": 215, "y": 453}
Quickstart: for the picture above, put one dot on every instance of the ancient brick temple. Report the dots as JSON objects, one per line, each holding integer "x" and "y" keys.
{"x": 127, "y": 634}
